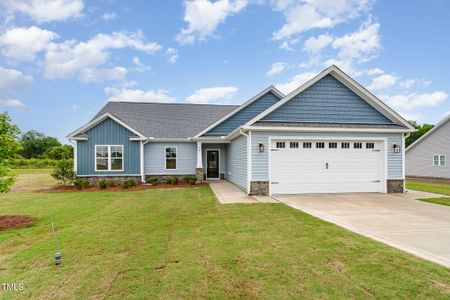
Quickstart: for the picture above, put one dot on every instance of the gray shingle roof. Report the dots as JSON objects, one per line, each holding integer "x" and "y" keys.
{"x": 167, "y": 120}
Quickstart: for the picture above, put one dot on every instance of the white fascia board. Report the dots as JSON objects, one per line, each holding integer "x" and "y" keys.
{"x": 272, "y": 89}
{"x": 324, "y": 129}
{"x": 438, "y": 125}
{"x": 347, "y": 81}
{"x": 221, "y": 139}
{"x": 99, "y": 120}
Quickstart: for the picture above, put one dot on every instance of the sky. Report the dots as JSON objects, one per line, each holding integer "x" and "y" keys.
{"x": 62, "y": 60}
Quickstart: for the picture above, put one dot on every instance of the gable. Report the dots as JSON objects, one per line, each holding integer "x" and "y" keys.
{"x": 108, "y": 131}
{"x": 327, "y": 101}
{"x": 244, "y": 115}
{"x": 435, "y": 141}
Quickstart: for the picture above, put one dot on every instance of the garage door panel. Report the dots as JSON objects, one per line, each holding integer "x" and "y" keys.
{"x": 326, "y": 170}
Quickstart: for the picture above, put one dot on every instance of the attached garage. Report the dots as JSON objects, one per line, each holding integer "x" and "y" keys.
{"x": 326, "y": 166}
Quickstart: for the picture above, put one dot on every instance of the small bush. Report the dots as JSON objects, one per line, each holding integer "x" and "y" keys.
{"x": 126, "y": 184}
{"x": 153, "y": 180}
{"x": 110, "y": 183}
{"x": 172, "y": 180}
{"x": 193, "y": 180}
{"x": 63, "y": 171}
{"x": 80, "y": 184}
{"x": 132, "y": 182}
{"x": 102, "y": 184}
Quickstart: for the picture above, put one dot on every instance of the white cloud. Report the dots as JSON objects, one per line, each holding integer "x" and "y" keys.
{"x": 359, "y": 44}
{"x": 70, "y": 58}
{"x": 375, "y": 71}
{"x": 102, "y": 74}
{"x": 12, "y": 80}
{"x": 209, "y": 95}
{"x": 295, "y": 82}
{"x": 129, "y": 95}
{"x": 139, "y": 66}
{"x": 407, "y": 83}
{"x": 172, "y": 55}
{"x": 413, "y": 100}
{"x": 412, "y": 116}
{"x": 203, "y": 17}
{"x": 22, "y": 44}
{"x": 286, "y": 46}
{"x": 276, "y": 68}
{"x": 316, "y": 44}
{"x": 383, "y": 82}
{"x": 14, "y": 103}
{"x": 304, "y": 15}
{"x": 46, "y": 10}
{"x": 109, "y": 16}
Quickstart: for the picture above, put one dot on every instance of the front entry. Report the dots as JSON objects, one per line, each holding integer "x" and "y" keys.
{"x": 212, "y": 164}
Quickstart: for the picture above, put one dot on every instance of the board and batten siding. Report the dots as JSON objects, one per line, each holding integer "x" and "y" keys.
{"x": 237, "y": 162}
{"x": 222, "y": 154}
{"x": 327, "y": 101}
{"x": 108, "y": 132}
{"x": 245, "y": 115}
{"x": 419, "y": 159}
{"x": 155, "y": 158}
{"x": 260, "y": 161}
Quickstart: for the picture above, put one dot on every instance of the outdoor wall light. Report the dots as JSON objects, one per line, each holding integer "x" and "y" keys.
{"x": 396, "y": 148}
{"x": 261, "y": 147}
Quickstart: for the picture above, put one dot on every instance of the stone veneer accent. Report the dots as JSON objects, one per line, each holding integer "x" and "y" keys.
{"x": 395, "y": 185}
{"x": 200, "y": 174}
{"x": 117, "y": 179}
{"x": 259, "y": 188}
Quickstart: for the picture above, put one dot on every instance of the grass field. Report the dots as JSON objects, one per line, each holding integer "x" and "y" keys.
{"x": 180, "y": 243}
{"x": 432, "y": 186}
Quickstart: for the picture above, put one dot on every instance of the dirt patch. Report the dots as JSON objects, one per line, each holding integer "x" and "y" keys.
{"x": 96, "y": 188}
{"x": 337, "y": 265}
{"x": 163, "y": 266}
{"x": 16, "y": 221}
{"x": 442, "y": 286}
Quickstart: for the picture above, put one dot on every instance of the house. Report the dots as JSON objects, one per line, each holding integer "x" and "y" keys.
{"x": 427, "y": 156}
{"x": 330, "y": 135}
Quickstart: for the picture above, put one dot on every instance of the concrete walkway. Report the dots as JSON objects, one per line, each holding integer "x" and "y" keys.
{"x": 228, "y": 193}
{"x": 398, "y": 220}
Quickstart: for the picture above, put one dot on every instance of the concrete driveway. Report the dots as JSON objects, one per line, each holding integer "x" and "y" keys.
{"x": 398, "y": 220}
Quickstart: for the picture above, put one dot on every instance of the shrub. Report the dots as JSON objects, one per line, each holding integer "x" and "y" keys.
{"x": 31, "y": 163}
{"x": 132, "y": 182}
{"x": 110, "y": 183}
{"x": 172, "y": 180}
{"x": 125, "y": 184}
{"x": 102, "y": 184}
{"x": 193, "y": 180}
{"x": 80, "y": 184}
{"x": 63, "y": 171}
{"x": 153, "y": 180}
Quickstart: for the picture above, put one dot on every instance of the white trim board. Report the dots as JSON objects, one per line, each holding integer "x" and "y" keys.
{"x": 352, "y": 85}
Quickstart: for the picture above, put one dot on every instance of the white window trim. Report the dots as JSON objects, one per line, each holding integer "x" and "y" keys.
{"x": 439, "y": 160}
{"x": 109, "y": 158}
{"x": 176, "y": 158}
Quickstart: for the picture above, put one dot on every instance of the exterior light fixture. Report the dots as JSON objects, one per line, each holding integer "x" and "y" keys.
{"x": 261, "y": 148}
{"x": 396, "y": 148}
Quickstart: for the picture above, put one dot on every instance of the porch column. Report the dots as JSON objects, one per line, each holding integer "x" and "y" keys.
{"x": 199, "y": 167}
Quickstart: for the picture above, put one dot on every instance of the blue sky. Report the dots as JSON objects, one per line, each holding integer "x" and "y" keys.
{"x": 61, "y": 60}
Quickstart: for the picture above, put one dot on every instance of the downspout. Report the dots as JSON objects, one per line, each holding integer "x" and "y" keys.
{"x": 142, "y": 159}
{"x": 75, "y": 155}
{"x": 249, "y": 157}
{"x": 405, "y": 136}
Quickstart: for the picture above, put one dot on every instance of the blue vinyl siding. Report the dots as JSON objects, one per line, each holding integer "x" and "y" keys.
{"x": 155, "y": 158}
{"x": 237, "y": 162}
{"x": 108, "y": 132}
{"x": 328, "y": 101}
{"x": 260, "y": 161}
{"x": 245, "y": 115}
{"x": 222, "y": 160}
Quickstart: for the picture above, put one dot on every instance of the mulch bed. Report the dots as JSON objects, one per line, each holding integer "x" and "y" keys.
{"x": 96, "y": 188}
{"x": 16, "y": 221}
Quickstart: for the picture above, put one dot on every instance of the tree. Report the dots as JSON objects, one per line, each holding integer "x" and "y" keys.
{"x": 8, "y": 148}
{"x": 60, "y": 152}
{"x": 421, "y": 130}
{"x": 63, "y": 171}
{"x": 36, "y": 144}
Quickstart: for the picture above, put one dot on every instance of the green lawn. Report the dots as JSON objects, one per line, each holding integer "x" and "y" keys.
{"x": 432, "y": 186}
{"x": 442, "y": 201}
{"x": 181, "y": 243}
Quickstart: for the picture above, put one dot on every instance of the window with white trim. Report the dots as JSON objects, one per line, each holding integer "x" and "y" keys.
{"x": 108, "y": 157}
{"x": 439, "y": 160}
{"x": 281, "y": 145}
{"x": 171, "y": 158}
{"x": 320, "y": 145}
{"x": 307, "y": 145}
{"x": 357, "y": 145}
{"x": 293, "y": 145}
{"x": 345, "y": 145}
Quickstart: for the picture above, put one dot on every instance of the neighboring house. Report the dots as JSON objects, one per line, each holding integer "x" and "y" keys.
{"x": 328, "y": 136}
{"x": 427, "y": 156}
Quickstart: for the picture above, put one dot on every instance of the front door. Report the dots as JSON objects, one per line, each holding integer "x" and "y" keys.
{"x": 212, "y": 164}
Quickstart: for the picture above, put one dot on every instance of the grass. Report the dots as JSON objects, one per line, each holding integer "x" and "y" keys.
{"x": 432, "y": 186}
{"x": 442, "y": 201}
{"x": 180, "y": 243}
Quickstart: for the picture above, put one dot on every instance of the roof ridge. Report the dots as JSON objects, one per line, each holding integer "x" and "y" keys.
{"x": 172, "y": 103}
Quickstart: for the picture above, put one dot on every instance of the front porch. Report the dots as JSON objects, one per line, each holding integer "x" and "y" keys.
{"x": 211, "y": 161}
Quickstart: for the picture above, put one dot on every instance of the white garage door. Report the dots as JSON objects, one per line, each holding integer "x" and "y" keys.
{"x": 309, "y": 166}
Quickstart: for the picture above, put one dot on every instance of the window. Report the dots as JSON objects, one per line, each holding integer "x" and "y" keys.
{"x": 439, "y": 160}
{"x": 370, "y": 145}
{"x": 345, "y": 145}
{"x": 320, "y": 145}
{"x": 281, "y": 145}
{"x": 307, "y": 145}
{"x": 293, "y": 145}
{"x": 332, "y": 145}
{"x": 171, "y": 158}
{"x": 108, "y": 157}
{"x": 357, "y": 145}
